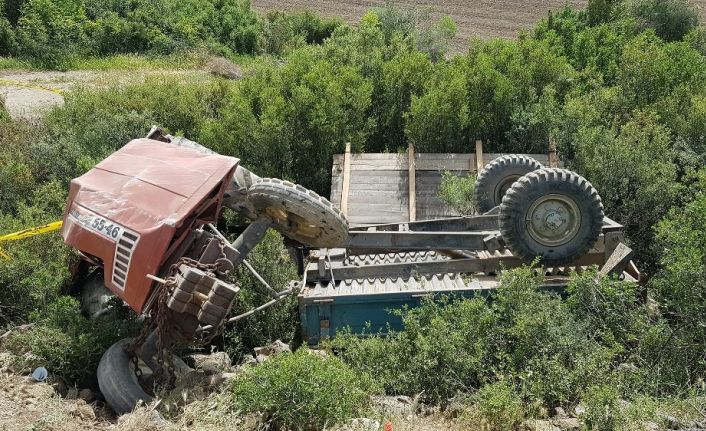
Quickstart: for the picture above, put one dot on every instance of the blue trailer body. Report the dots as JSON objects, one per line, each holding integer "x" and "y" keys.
{"x": 365, "y": 306}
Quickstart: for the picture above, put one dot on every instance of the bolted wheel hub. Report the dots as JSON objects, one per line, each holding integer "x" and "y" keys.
{"x": 553, "y": 219}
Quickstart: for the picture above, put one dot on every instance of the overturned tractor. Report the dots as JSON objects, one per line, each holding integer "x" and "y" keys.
{"x": 145, "y": 216}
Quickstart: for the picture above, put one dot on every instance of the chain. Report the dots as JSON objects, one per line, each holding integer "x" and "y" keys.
{"x": 222, "y": 266}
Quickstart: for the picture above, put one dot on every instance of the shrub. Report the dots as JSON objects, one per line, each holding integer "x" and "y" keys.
{"x": 613, "y": 309}
{"x": 458, "y": 192}
{"x": 38, "y": 267}
{"x": 524, "y": 337}
{"x": 286, "y": 31}
{"x": 417, "y": 27}
{"x": 634, "y": 174}
{"x": 303, "y": 391}
{"x": 599, "y": 11}
{"x": 441, "y": 351}
{"x": 8, "y": 42}
{"x": 52, "y": 32}
{"x": 67, "y": 343}
{"x": 602, "y": 404}
{"x": 289, "y": 121}
{"x": 681, "y": 288}
{"x": 496, "y": 407}
{"x": 671, "y": 19}
{"x": 271, "y": 260}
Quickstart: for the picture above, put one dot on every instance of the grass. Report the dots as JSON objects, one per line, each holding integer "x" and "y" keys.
{"x": 131, "y": 62}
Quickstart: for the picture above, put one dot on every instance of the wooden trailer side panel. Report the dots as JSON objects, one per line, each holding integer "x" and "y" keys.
{"x": 374, "y": 188}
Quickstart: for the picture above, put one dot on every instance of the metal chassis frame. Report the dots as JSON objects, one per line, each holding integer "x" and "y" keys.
{"x": 474, "y": 243}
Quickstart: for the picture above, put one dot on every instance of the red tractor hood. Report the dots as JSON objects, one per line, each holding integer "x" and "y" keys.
{"x": 135, "y": 207}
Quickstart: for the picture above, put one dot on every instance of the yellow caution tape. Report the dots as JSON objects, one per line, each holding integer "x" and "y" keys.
{"x": 31, "y": 86}
{"x": 29, "y": 232}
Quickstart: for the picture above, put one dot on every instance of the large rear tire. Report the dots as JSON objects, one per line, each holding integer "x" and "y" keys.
{"x": 299, "y": 213}
{"x": 497, "y": 177}
{"x": 118, "y": 381}
{"x": 552, "y": 213}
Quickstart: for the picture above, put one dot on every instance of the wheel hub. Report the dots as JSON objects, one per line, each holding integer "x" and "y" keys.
{"x": 504, "y": 186}
{"x": 553, "y": 219}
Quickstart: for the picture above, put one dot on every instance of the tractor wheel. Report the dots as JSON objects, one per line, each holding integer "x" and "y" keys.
{"x": 497, "y": 177}
{"x": 118, "y": 381}
{"x": 552, "y": 213}
{"x": 299, "y": 213}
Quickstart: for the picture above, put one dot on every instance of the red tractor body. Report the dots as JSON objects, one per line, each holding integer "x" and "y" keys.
{"x": 132, "y": 210}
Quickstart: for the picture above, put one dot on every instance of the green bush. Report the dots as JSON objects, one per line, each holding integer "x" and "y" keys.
{"x": 681, "y": 288}
{"x": 67, "y": 343}
{"x": 496, "y": 407}
{"x": 458, "y": 192}
{"x": 271, "y": 260}
{"x": 8, "y": 42}
{"x": 524, "y": 337}
{"x": 303, "y": 391}
{"x": 599, "y": 11}
{"x": 602, "y": 404}
{"x": 440, "y": 353}
{"x": 53, "y": 32}
{"x": 286, "y": 31}
{"x": 289, "y": 121}
{"x": 38, "y": 267}
{"x": 635, "y": 175}
{"x": 671, "y": 19}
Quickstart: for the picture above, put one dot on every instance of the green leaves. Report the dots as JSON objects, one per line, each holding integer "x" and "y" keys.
{"x": 303, "y": 391}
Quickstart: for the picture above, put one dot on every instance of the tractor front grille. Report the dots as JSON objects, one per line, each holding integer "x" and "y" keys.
{"x": 123, "y": 256}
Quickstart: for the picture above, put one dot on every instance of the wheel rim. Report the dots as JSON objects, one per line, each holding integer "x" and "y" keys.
{"x": 553, "y": 219}
{"x": 293, "y": 222}
{"x": 504, "y": 186}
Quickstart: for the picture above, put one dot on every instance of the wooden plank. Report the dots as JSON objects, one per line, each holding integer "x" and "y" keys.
{"x": 386, "y": 175}
{"x": 479, "y": 155}
{"x": 424, "y": 163}
{"x": 346, "y": 179}
{"x": 369, "y": 187}
{"x": 412, "y": 184}
{"x": 358, "y": 196}
{"x": 553, "y": 162}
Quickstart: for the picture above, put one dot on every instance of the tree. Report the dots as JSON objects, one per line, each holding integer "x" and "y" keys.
{"x": 634, "y": 173}
{"x": 670, "y": 19}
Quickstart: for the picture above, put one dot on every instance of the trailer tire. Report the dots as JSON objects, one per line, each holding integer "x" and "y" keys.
{"x": 551, "y": 213}
{"x": 118, "y": 382}
{"x": 299, "y": 213}
{"x": 497, "y": 177}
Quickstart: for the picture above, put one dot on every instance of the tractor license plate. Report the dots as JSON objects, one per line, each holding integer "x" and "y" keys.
{"x": 96, "y": 223}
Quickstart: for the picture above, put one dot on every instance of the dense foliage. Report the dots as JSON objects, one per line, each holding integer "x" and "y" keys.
{"x": 303, "y": 391}
{"x": 52, "y": 32}
{"x": 620, "y": 87}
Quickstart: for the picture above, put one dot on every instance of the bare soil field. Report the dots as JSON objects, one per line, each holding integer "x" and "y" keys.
{"x": 478, "y": 18}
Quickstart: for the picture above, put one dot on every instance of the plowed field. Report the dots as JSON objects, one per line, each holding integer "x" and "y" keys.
{"x": 474, "y": 18}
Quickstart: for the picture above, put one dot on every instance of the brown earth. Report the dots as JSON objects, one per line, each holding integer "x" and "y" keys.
{"x": 480, "y": 18}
